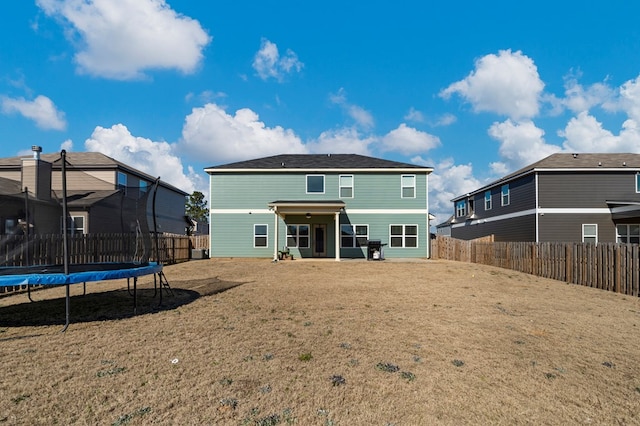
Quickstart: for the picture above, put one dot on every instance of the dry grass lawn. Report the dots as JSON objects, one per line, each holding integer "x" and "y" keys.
{"x": 250, "y": 342}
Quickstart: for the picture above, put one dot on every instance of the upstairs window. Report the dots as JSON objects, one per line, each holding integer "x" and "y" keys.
{"x": 315, "y": 184}
{"x": 122, "y": 182}
{"x": 408, "y": 186}
{"x": 637, "y": 182}
{"x": 346, "y": 186}
{"x": 505, "y": 195}
{"x": 461, "y": 208}
{"x": 143, "y": 188}
{"x": 589, "y": 233}
{"x": 487, "y": 200}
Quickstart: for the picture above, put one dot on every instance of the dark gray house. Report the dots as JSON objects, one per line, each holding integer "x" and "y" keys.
{"x": 103, "y": 195}
{"x": 563, "y": 197}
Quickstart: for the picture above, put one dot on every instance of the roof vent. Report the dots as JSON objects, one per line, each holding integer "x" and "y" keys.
{"x": 624, "y": 164}
{"x": 575, "y": 155}
{"x": 599, "y": 163}
{"x": 282, "y": 164}
{"x": 36, "y": 151}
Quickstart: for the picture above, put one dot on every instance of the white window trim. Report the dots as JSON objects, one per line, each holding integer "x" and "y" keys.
{"x": 324, "y": 183}
{"x": 355, "y": 236}
{"x": 637, "y": 182}
{"x": 71, "y": 228}
{"x": 503, "y": 195}
{"x": 353, "y": 193}
{"x": 412, "y": 186}
{"x": 404, "y": 235}
{"x": 297, "y": 235}
{"x": 488, "y": 202}
{"x": 262, "y": 236}
{"x": 461, "y": 208}
{"x": 590, "y": 236}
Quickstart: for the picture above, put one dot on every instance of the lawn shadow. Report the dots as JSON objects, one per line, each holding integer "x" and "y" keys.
{"x": 109, "y": 305}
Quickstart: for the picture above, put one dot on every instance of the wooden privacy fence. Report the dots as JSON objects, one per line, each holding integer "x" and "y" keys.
{"x": 607, "y": 266}
{"x": 90, "y": 248}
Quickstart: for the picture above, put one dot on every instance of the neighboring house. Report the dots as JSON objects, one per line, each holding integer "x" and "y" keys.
{"x": 324, "y": 205}
{"x": 103, "y": 195}
{"x": 563, "y": 197}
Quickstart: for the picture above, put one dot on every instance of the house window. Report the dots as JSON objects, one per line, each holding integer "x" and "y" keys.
{"x": 315, "y": 184}
{"x": 637, "y": 182}
{"x": 408, "y": 186}
{"x": 122, "y": 182}
{"x": 260, "y": 235}
{"x": 346, "y": 186}
{"x": 143, "y": 188}
{"x": 628, "y": 234}
{"x": 11, "y": 226}
{"x": 505, "y": 195}
{"x": 461, "y": 208}
{"x": 487, "y": 200}
{"x": 403, "y": 235}
{"x": 354, "y": 235}
{"x": 298, "y": 236}
{"x": 75, "y": 225}
{"x": 589, "y": 233}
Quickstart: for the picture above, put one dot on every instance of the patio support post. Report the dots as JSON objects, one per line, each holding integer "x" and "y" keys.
{"x": 337, "y": 221}
{"x": 275, "y": 234}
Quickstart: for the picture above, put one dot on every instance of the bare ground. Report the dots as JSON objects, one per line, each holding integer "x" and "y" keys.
{"x": 250, "y": 342}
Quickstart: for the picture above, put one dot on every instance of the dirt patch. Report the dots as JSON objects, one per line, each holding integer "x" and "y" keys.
{"x": 250, "y": 342}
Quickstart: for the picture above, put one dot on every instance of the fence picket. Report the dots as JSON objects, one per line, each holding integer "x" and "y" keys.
{"x": 606, "y": 266}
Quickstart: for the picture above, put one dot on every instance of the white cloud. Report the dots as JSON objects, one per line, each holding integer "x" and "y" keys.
{"x": 414, "y": 115}
{"x": 507, "y": 83}
{"x": 120, "y": 39}
{"x": 579, "y": 99}
{"x": 154, "y": 158}
{"x": 67, "y": 145}
{"x": 41, "y": 110}
{"x": 630, "y": 98}
{"x": 210, "y": 134}
{"x": 585, "y": 133}
{"x": 521, "y": 143}
{"x": 447, "y": 181}
{"x": 408, "y": 141}
{"x": 445, "y": 120}
{"x": 341, "y": 141}
{"x": 362, "y": 117}
{"x": 269, "y": 64}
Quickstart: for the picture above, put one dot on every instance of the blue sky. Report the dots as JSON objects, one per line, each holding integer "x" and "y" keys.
{"x": 473, "y": 89}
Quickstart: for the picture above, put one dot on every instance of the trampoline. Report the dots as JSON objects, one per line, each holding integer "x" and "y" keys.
{"x": 25, "y": 260}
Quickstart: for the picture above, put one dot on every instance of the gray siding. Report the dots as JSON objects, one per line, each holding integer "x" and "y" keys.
{"x": 585, "y": 189}
{"x": 568, "y": 227}
{"x": 514, "y": 229}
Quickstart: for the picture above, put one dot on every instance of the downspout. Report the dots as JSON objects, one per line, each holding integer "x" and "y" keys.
{"x": 428, "y": 221}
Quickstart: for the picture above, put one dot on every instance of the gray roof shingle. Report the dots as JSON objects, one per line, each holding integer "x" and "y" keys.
{"x": 317, "y": 161}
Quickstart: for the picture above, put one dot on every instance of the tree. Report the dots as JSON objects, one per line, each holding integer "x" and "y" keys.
{"x": 196, "y": 207}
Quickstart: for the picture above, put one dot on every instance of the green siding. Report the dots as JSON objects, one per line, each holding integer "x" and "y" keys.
{"x": 371, "y": 190}
{"x": 232, "y": 234}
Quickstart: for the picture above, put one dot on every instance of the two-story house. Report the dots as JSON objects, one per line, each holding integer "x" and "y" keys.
{"x": 102, "y": 195}
{"x": 319, "y": 205}
{"x": 563, "y": 197}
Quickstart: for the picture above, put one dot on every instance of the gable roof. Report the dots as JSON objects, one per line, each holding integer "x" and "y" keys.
{"x": 316, "y": 162}
{"x": 570, "y": 162}
{"x": 85, "y": 161}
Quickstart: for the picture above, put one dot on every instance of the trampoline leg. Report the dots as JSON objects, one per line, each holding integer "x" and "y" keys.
{"x": 29, "y": 292}
{"x": 84, "y": 288}
{"x": 155, "y": 284}
{"x": 66, "y": 325}
{"x": 135, "y": 292}
{"x": 129, "y": 286}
